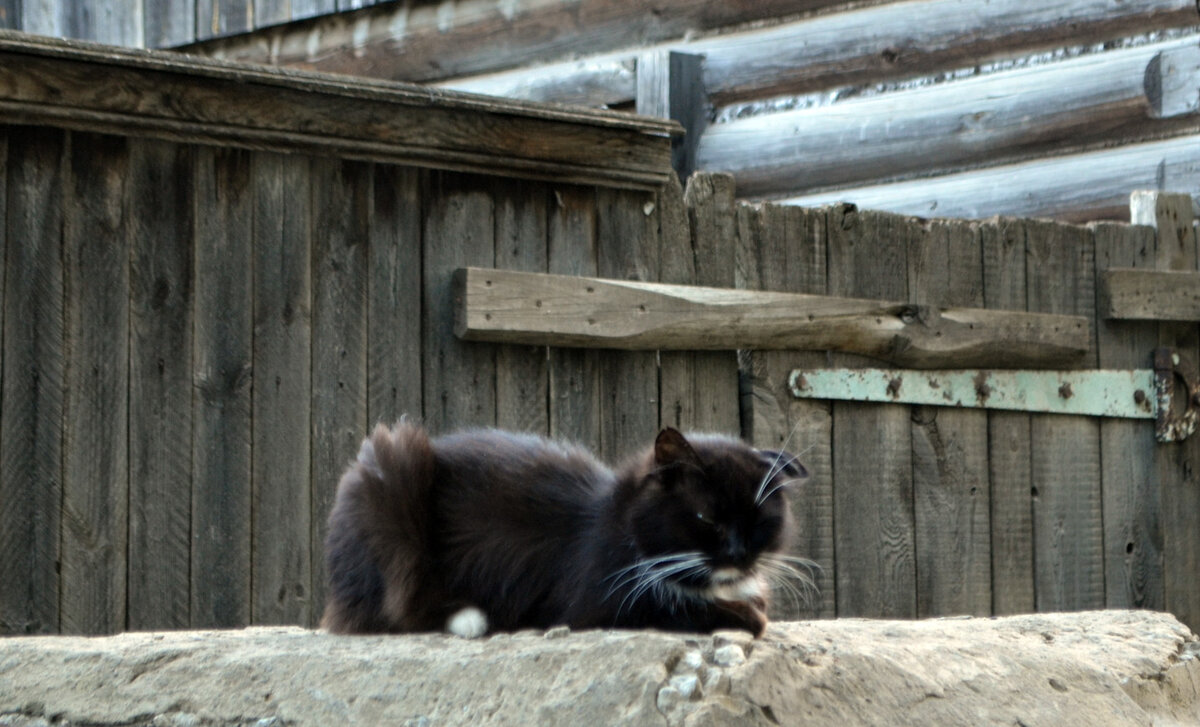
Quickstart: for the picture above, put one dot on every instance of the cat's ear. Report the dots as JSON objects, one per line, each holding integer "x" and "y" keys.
{"x": 672, "y": 448}
{"x": 785, "y": 462}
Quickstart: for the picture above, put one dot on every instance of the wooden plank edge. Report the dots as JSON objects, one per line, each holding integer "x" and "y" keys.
{"x": 1150, "y": 295}
{"x": 631, "y": 315}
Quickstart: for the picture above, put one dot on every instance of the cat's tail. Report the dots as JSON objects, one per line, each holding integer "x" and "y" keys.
{"x": 377, "y": 552}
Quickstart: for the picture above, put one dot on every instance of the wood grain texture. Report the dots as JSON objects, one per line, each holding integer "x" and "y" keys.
{"x": 221, "y": 405}
{"x": 627, "y": 248}
{"x": 512, "y": 307}
{"x": 169, "y": 23}
{"x": 890, "y": 41}
{"x": 459, "y": 377}
{"x": 970, "y": 122}
{"x": 574, "y": 409}
{"x": 1174, "y": 465}
{"x": 1131, "y": 495}
{"x": 951, "y": 487}
{"x": 479, "y": 36}
{"x": 281, "y": 556}
{"x": 875, "y": 544}
{"x": 223, "y": 17}
{"x": 1065, "y": 455}
{"x": 162, "y": 184}
{"x": 95, "y": 430}
{"x": 341, "y": 198}
{"x": 784, "y": 249}
{"x": 522, "y": 377}
{"x": 1004, "y": 284}
{"x": 114, "y": 90}
{"x": 1149, "y": 295}
{"x": 31, "y": 420}
{"x": 394, "y": 296}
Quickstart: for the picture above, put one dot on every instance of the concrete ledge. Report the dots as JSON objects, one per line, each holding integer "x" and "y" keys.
{"x": 1093, "y": 668}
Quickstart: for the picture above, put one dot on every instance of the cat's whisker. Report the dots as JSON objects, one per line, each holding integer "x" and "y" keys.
{"x": 776, "y": 467}
{"x": 792, "y": 574}
{"x": 650, "y": 574}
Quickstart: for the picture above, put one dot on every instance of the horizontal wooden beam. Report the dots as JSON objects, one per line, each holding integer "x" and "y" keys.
{"x": 1074, "y": 188}
{"x": 862, "y": 45}
{"x": 560, "y": 310}
{"x": 416, "y": 40}
{"x": 182, "y": 98}
{"x": 1150, "y": 295}
{"x": 957, "y": 124}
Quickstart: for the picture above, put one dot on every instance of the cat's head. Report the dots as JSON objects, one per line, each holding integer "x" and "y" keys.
{"x": 710, "y": 514}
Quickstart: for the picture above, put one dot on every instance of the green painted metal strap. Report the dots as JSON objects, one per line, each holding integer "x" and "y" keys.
{"x": 1131, "y": 394}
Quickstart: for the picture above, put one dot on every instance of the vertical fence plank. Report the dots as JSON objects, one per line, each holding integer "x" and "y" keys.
{"x": 699, "y": 389}
{"x": 627, "y": 247}
{"x": 784, "y": 249}
{"x": 522, "y": 378}
{"x": 574, "y": 372}
{"x": 281, "y": 557}
{"x": 271, "y": 12}
{"x": 44, "y": 17}
{"x": 96, "y": 465}
{"x": 1175, "y": 464}
{"x": 216, "y": 18}
{"x": 223, "y": 329}
{"x": 950, "y": 446}
{"x": 872, "y": 454}
{"x": 341, "y": 197}
{"x": 160, "y": 385}
{"x": 10, "y": 14}
{"x": 31, "y": 416}
{"x": 1003, "y": 243}
{"x": 1065, "y": 460}
{"x": 460, "y": 377}
{"x": 169, "y": 22}
{"x": 394, "y": 306}
{"x": 1130, "y": 492}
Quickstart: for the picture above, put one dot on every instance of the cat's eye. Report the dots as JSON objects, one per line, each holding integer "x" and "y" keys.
{"x": 705, "y": 519}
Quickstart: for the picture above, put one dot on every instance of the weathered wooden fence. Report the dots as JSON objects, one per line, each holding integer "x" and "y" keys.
{"x": 206, "y": 305}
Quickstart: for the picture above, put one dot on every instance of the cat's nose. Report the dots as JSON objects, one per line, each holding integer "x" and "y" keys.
{"x": 734, "y": 550}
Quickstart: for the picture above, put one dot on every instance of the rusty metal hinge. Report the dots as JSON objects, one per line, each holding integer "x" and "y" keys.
{"x": 1169, "y": 393}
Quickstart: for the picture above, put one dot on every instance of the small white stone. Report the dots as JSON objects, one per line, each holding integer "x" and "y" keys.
{"x": 687, "y": 685}
{"x": 729, "y": 655}
{"x": 469, "y": 623}
{"x": 668, "y": 699}
{"x": 558, "y": 632}
{"x": 691, "y": 661}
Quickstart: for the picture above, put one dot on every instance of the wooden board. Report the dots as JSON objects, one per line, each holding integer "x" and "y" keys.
{"x": 394, "y": 296}
{"x": 1004, "y": 284}
{"x": 1174, "y": 468}
{"x": 784, "y": 248}
{"x": 1065, "y": 455}
{"x": 627, "y": 248}
{"x": 510, "y": 307}
{"x": 223, "y": 17}
{"x": 875, "y": 546}
{"x": 522, "y": 377}
{"x": 341, "y": 197}
{"x": 95, "y": 506}
{"x": 459, "y": 377}
{"x": 119, "y": 91}
{"x": 161, "y": 179}
{"x": 281, "y": 564}
{"x": 921, "y": 130}
{"x": 1078, "y": 186}
{"x": 574, "y": 387}
{"x": 169, "y": 23}
{"x": 31, "y": 437}
{"x": 1131, "y": 494}
{"x": 951, "y": 487}
{"x": 221, "y": 406}
{"x": 478, "y": 36}
{"x": 893, "y": 40}
{"x": 1150, "y": 295}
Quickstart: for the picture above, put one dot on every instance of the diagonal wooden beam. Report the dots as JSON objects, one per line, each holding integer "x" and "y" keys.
{"x": 561, "y": 310}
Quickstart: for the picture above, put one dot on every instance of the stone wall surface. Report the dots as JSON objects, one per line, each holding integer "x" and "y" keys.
{"x": 1092, "y": 668}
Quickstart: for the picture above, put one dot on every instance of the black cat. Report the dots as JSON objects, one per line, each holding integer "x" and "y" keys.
{"x": 486, "y": 530}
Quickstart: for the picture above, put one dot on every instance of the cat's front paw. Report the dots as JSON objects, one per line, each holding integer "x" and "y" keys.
{"x": 468, "y": 623}
{"x": 749, "y": 615}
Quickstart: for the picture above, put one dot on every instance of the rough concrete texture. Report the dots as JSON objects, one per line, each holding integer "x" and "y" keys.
{"x": 1096, "y": 668}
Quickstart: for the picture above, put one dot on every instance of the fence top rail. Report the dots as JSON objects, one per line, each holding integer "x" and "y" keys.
{"x": 94, "y": 87}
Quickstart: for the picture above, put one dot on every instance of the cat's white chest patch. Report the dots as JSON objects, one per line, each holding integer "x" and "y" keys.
{"x": 468, "y": 623}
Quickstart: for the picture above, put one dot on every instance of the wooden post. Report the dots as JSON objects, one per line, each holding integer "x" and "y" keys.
{"x": 1176, "y": 249}
{"x": 670, "y": 85}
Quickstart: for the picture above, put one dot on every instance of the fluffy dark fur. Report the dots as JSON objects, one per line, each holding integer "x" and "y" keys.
{"x": 535, "y": 533}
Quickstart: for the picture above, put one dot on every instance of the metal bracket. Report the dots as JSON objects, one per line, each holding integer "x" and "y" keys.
{"x": 1134, "y": 394}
